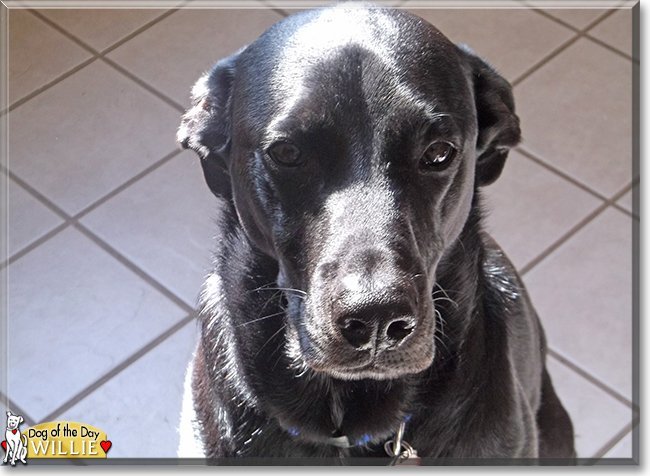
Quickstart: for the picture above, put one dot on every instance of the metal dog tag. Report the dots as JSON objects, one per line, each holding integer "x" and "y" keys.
{"x": 408, "y": 459}
{"x": 408, "y": 456}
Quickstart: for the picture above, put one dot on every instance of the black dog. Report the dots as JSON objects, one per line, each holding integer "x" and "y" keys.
{"x": 354, "y": 293}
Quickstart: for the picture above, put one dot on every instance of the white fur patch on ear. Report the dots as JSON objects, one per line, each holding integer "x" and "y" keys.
{"x": 200, "y": 102}
{"x": 191, "y": 444}
{"x": 201, "y": 89}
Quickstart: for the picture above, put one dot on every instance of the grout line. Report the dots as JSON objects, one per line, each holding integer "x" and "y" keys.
{"x": 45, "y": 87}
{"x": 102, "y": 55}
{"x": 626, "y": 211}
{"x": 134, "y": 268}
{"x": 125, "y": 185}
{"x": 64, "y": 32}
{"x": 560, "y": 49}
{"x": 15, "y": 409}
{"x": 575, "y": 229}
{"x": 559, "y": 172}
{"x": 68, "y": 219}
{"x": 559, "y": 21}
{"x": 579, "y": 184}
{"x": 35, "y": 244}
{"x": 616, "y": 439}
{"x": 586, "y": 35}
{"x": 611, "y": 48}
{"x": 73, "y": 221}
{"x": 560, "y": 241}
{"x": 545, "y": 60}
{"x": 97, "y": 55}
{"x": 600, "y": 19}
{"x": 118, "y": 368}
{"x": 635, "y": 182}
{"x": 136, "y": 32}
{"x": 39, "y": 196}
{"x": 280, "y": 11}
{"x": 595, "y": 381}
{"x": 160, "y": 95}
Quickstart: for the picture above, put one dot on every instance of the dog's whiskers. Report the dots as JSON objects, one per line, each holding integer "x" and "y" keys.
{"x": 439, "y": 338}
{"x": 269, "y": 287}
{"x": 446, "y": 298}
{"x": 261, "y": 318}
{"x": 266, "y": 303}
{"x": 282, "y": 327}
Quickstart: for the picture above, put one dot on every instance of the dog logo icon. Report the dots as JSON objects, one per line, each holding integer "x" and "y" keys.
{"x": 16, "y": 443}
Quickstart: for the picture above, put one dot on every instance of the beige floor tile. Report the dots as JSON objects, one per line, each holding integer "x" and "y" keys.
{"x": 623, "y": 448}
{"x": 576, "y": 113}
{"x": 38, "y": 54}
{"x": 626, "y": 201}
{"x": 100, "y": 28}
{"x": 596, "y": 416}
{"x": 616, "y": 31}
{"x": 476, "y": 4}
{"x": 29, "y": 219}
{"x": 173, "y": 54}
{"x": 87, "y": 135}
{"x": 583, "y": 295}
{"x": 578, "y": 17}
{"x": 530, "y": 207}
{"x": 139, "y": 409}
{"x": 169, "y": 234}
{"x": 74, "y": 313}
{"x": 205, "y": 4}
{"x": 492, "y": 34}
{"x": 292, "y": 6}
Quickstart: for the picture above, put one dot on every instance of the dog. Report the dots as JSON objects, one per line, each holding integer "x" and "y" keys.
{"x": 16, "y": 442}
{"x": 356, "y": 307}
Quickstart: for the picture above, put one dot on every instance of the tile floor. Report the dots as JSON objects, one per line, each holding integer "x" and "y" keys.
{"x": 110, "y": 224}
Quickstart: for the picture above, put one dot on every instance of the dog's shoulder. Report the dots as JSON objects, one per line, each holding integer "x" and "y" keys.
{"x": 507, "y": 299}
{"x": 499, "y": 271}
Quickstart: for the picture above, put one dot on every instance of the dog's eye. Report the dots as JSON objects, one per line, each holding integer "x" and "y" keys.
{"x": 285, "y": 153}
{"x": 438, "y": 155}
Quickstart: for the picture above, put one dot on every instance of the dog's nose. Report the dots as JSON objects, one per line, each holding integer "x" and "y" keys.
{"x": 381, "y": 325}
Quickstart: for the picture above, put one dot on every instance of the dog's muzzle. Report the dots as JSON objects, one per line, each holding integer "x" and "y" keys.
{"x": 366, "y": 318}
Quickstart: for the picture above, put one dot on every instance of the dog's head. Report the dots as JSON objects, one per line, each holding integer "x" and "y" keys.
{"x": 13, "y": 421}
{"x": 351, "y": 141}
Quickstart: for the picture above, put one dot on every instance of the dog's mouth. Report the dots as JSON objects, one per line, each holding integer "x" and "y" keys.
{"x": 375, "y": 369}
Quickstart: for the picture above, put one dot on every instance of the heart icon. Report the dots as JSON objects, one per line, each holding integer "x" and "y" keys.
{"x": 4, "y": 445}
{"x": 14, "y": 431}
{"x": 106, "y": 445}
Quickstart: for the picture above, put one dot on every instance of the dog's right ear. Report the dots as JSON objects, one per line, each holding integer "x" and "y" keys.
{"x": 498, "y": 125}
{"x": 206, "y": 126}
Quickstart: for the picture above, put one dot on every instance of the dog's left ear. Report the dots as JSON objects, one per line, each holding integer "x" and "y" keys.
{"x": 498, "y": 125}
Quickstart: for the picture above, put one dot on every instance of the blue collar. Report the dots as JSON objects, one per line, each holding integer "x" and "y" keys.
{"x": 344, "y": 441}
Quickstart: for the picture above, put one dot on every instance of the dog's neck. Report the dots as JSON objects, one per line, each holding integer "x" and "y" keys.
{"x": 333, "y": 408}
